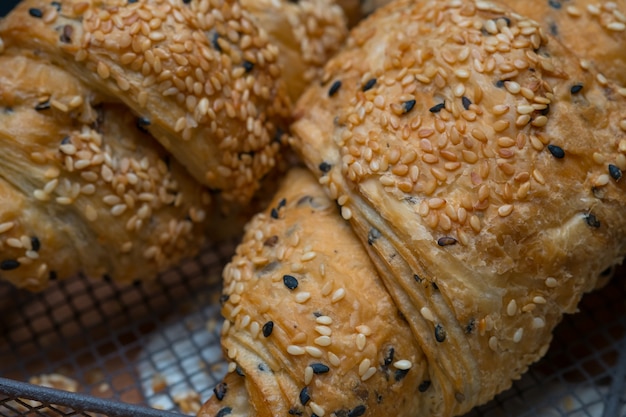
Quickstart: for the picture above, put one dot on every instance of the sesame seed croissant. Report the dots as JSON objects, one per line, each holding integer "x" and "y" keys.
{"x": 82, "y": 188}
{"x": 488, "y": 203}
{"x": 211, "y": 79}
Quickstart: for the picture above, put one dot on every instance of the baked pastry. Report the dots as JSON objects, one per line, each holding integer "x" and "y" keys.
{"x": 306, "y": 313}
{"x": 213, "y": 79}
{"x": 595, "y": 31}
{"x": 82, "y": 188}
{"x": 486, "y": 188}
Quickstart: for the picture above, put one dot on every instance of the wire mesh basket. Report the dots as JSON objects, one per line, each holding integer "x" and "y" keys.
{"x": 92, "y": 348}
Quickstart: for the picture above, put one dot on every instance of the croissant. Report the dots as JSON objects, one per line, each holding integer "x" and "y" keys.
{"x": 487, "y": 200}
{"x": 204, "y": 76}
{"x": 83, "y": 189}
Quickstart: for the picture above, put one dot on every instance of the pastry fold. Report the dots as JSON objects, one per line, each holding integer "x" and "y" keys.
{"x": 83, "y": 188}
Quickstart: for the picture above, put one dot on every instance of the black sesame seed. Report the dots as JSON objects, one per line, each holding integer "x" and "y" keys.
{"x": 268, "y": 328}
{"x": 466, "y": 102}
{"x": 435, "y": 286}
{"x": 417, "y": 278}
{"x": 592, "y": 220}
{"x": 35, "y": 243}
{"x": 220, "y": 390}
{"x": 554, "y": 29}
{"x": 247, "y": 65}
{"x": 437, "y": 107}
{"x": 325, "y": 167}
{"x": 224, "y": 298}
{"x": 469, "y": 329}
{"x": 263, "y": 367}
{"x": 555, "y": 4}
{"x": 408, "y": 105}
{"x": 317, "y": 314}
{"x": 304, "y": 396}
{"x": 186, "y": 1}
{"x": 9, "y": 264}
{"x": 576, "y": 88}
{"x": 446, "y": 241}
{"x": 290, "y": 282}
{"x": 34, "y": 12}
{"x": 546, "y": 110}
{"x": 132, "y": 1}
{"x": 424, "y": 386}
{"x": 500, "y": 83}
{"x": 372, "y": 235}
{"x": 556, "y": 151}
{"x": 66, "y": 140}
{"x": 274, "y": 213}
{"x": 319, "y": 368}
{"x": 43, "y": 106}
{"x": 369, "y": 84}
{"x": 389, "y": 357}
{"x": 400, "y": 374}
{"x": 224, "y": 412}
{"x": 615, "y": 172}
{"x": 334, "y": 88}
{"x": 440, "y": 333}
{"x": 282, "y": 203}
{"x": 294, "y": 412}
{"x": 357, "y": 411}
{"x": 215, "y": 43}
{"x": 239, "y": 371}
{"x": 143, "y": 123}
{"x": 56, "y": 5}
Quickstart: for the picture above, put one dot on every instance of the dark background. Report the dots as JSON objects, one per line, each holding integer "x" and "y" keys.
{"x": 6, "y": 5}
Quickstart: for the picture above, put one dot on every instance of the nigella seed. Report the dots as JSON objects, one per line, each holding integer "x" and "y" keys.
{"x": 466, "y": 102}
{"x": 408, "y": 105}
{"x": 248, "y": 66}
{"x": 556, "y": 151}
{"x": 34, "y": 12}
{"x": 263, "y": 367}
{"x": 290, "y": 282}
{"x": 469, "y": 329}
{"x": 437, "y": 107}
{"x": 369, "y": 84}
{"x": 575, "y": 89}
{"x": 304, "y": 396}
{"x": 615, "y": 172}
{"x": 417, "y": 278}
{"x": 268, "y": 328}
{"x": 334, "y": 88}
{"x": 224, "y": 298}
{"x": 239, "y": 371}
{"x": 274, "y": 213}
{"x": 66, "y": 140}
{"x": 215, "y": 43}
{"x": 294, "y": 412}
{"x": 373, "y": 235}
{"x": 500, "y": 83}
{"x": 592, "y": 220}
{"x": 440, "y": 333}
{"x": 389, "y": 358}
{"x": 56, "y": 5}
{"x": 424, "y": 386}
{"x": 143, "y": 123}
{"x": 446, "y": 241}
{"x": 400, "y": 374}
{"x": 35, "y": 243}
{"x": 224, "y": 412}
{"x": 220, "y": 390}
{"x": 186, "y": 1}
{"x": 555, "y": 4}
{"x": 43, "y": 106}
{"x": 357, "y": 411}
{"x": 325, "y": 167}
{"x": 319, "y": 368}
{"x": 282, "y": 203}
{"x": 9, "y": 264}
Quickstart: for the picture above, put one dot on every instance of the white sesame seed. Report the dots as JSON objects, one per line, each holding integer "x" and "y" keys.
{"x": 323, "y": 341}
{"x": 302, "y": 297}
{"x": 493, "y": 343}
{"x": 539, "y": 300}
{"x": 505, "y": 210}
{"x": 360, "y": 341}
{"x": 324, "y": 320}
{"x": 518, "y": 335}
{"x": 338, "y": 295}
{"x": 602, "y": 180}
{"x": 308, "y": 256}
{"x": 308, "y": 375}
{"x": 364, "y": 329}
{"x": 333, "y": 359}
{"x": 616, "y": 26}
{"x": 327, "y": 289}
{"x": 6, "y": 226}
{"x": 317, "y": 409}
{"x": 14, "y": 243}
{"x": 538, "y": 323}
{"x": 323, "y": 330}
{"x": 511, "y": 308}
{"x": 346, "y": 213}
{"x": 512, "y": 87}
{"x": 403, "y": 364}
{"x": 295, "y": 350}
{"x": 622, "y": 124}
{"x": 313, "y": 351}
{"x": 368, "y": 374}
{"x": 427, "y": 314}
{"x": 364, "y": 366}
{"x": 118, "y": 209}
{"x": 551, "y": 282}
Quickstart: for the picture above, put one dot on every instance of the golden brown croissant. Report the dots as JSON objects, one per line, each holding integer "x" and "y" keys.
{"x": 487, "y": 190}
{"x": 204, "y": 75}
{"x": 82, "y": 188}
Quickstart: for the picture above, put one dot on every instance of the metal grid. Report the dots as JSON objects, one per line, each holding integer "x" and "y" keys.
{"x": 156, "y": 345}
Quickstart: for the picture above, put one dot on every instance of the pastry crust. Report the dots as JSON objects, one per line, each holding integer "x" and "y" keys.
{"x": 82, "y": 188}
{"x": 309, "y": 325}
{"x": 461, "y": 148}
{"x": 202, "y": 74}
{"x": 594, "y": 31}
